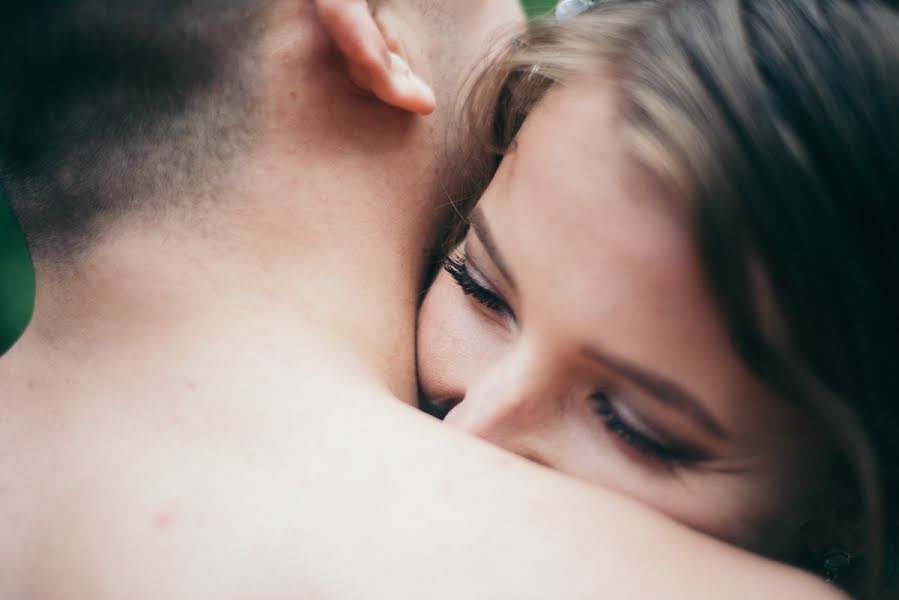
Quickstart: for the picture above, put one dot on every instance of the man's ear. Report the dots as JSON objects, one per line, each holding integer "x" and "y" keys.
{"x": 372, "y": 65}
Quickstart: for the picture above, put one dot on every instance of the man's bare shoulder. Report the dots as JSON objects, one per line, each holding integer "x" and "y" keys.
{"x": 296, "y": 479}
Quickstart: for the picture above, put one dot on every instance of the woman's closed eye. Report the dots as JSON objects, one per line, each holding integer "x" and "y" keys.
{"x": 664, "y": 454}
{"x": 457, "y": 267}
{"x": 654, "y": 450}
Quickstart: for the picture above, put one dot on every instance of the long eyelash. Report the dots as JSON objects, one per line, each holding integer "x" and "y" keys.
{"x": 647, "y": 447}
{"x": 457, "y": 269}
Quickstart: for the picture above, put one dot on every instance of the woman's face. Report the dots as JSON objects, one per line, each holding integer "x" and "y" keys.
{"x": 573, "y": 327}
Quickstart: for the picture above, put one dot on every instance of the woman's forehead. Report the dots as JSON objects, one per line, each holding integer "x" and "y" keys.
{"x": 570, "y": 188}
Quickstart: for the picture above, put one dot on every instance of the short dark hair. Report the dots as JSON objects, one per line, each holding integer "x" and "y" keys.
{"x": 108, "y": 105}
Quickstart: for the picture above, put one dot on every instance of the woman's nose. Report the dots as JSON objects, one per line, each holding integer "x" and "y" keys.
{"x": 508, "y": 408}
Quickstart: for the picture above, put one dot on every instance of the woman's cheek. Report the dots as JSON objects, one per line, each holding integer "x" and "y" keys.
{"x": 452, "y": 341}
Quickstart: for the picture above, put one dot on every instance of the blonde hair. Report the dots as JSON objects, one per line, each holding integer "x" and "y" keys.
{"x": 776, "y": 124}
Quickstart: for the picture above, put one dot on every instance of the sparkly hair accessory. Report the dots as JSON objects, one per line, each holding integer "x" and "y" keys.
{"x": 836, "y": 561}
{"x": 571, "y": 8}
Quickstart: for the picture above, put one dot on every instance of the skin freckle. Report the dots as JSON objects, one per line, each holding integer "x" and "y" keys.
{"x": 164, "y": 520}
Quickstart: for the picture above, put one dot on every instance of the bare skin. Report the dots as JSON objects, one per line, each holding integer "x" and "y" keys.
{"x": 209, "y": 483}
{"x": 205, "y": 406}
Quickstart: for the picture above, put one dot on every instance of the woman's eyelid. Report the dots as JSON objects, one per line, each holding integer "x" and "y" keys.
{"x": 478, "y": 274}
{"x": 480, "y": 279}
{"x": 459, "y": 268}
{"x": 622, "y": 404}
{"x": 651, "y": 410}
{"x": 634, "y": 420}
{"x": 482, "y": 264}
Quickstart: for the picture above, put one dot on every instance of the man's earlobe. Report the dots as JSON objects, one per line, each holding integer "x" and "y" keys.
{"x": 371, "y": 64}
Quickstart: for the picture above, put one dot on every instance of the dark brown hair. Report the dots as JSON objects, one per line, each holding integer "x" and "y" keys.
{"x": 777, "y": 124}
{"x": 107, "y": 104}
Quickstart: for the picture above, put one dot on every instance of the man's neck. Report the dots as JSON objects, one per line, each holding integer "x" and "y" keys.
{"x": 297, "y": 256}
{"x": 324, "y": 225}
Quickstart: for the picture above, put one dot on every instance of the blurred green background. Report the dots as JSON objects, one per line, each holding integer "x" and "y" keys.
{"x": 17, "y": 276}
{"x": 16, "y": 279}
{"x": 538, "y": 7}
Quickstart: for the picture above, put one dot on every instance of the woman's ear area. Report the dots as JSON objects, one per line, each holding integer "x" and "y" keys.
{"x": 835, "y": 537}
{"x": 375, "y": 64}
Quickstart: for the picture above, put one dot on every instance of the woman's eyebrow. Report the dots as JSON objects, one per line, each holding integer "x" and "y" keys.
{"x": 664, "y": 390}
{"x": 482, "y": 231}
